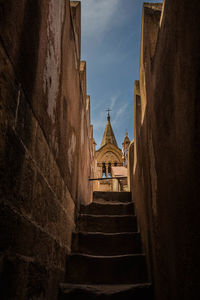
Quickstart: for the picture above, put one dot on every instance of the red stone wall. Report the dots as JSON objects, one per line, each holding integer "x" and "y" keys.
{"x": 166, "y": 168}
{"x": 41, "y": 103}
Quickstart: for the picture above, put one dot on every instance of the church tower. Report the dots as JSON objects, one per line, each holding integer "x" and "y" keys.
{"x": 109, "y": 154}
{"x": 111, "y": 162}
{"x": 125, "y": 146}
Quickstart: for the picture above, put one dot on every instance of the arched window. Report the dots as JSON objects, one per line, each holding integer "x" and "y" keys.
{"x": 109, "y": 169}
{"x": 103, "y": 170}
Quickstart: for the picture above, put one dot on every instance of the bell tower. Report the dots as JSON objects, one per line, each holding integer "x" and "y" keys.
{"x": 125, "y": 146}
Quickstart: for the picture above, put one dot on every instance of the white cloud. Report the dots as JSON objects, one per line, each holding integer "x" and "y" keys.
{"x": 97, "y": 16}
{"x": 120, "y": 113}
{"x": 113, "y": 101}
{"x": 100, "y": 122}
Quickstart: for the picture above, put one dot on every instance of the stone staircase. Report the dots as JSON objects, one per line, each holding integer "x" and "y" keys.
{"x": 107, "y": 260}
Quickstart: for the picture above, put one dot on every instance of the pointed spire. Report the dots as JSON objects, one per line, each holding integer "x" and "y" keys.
{"x": 108, "y": 116}
{"x": 125, "y": 147}
{"x": 126, "y": 141}
{"x": 108, "y": 136}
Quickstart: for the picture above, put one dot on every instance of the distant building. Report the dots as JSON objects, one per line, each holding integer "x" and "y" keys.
{"x": 111, "y": 161}
{"x": 125, "y": 147}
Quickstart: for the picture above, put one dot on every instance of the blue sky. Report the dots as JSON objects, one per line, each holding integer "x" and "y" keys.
{"x": 111, "y": 47}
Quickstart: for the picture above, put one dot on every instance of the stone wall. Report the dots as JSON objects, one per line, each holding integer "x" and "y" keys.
{"x": 130, "y": 166}
{"x": 166, "y": 170}
{"x": 86, "y": 162}
{"x": 44, "y": 120}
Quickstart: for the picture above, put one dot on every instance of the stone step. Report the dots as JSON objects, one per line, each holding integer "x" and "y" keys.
{"x": 106, "y": 292}
{"x": 113, "y": 196}
{"x": 108, "y": 208}
{"x": 122, "y": 269}
{"x": 109, "y": 223}
{"x": 106, "y": 243}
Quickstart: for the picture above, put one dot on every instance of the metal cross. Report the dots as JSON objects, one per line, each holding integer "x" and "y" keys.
{"x": 108, "y": 110}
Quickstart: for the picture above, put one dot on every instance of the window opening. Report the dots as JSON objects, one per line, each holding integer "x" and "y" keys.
{"x": 109, "y": 169}
{"x": 104, "y": 170}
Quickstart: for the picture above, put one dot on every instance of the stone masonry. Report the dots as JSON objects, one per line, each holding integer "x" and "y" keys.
{"x": 44, "y": 122}
{"x": 166, "y": 168}
{"x": 107, "y": 259}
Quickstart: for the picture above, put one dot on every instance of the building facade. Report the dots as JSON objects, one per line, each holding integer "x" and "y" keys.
{"x": 110, "y": 162}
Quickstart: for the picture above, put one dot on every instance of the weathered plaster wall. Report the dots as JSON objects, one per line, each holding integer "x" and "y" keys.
{"x": 167, "y": 137}
{"x": 41, "y": 101}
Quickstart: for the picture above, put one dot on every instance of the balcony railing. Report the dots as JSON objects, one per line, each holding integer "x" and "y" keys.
{"x": 107, "y": 178}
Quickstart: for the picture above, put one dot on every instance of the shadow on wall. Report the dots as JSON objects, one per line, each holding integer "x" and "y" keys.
{"x": 166, "y": 167}
{"x": 43, "y": 95}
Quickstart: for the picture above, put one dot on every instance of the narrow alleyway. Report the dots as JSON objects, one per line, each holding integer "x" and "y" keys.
{"x": 107, "y": 261}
